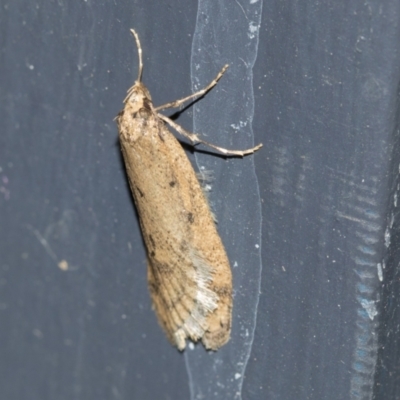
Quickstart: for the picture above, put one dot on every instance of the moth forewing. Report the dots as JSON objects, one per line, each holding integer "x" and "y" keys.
{"x": 185, "y": 253}
{"x": 188, "y": 270}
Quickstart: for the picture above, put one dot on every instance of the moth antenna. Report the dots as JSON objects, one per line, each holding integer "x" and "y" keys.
{"x": 139, "y": 47}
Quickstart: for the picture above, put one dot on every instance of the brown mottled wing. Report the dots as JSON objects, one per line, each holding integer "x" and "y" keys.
{"x": 188, "y": 270}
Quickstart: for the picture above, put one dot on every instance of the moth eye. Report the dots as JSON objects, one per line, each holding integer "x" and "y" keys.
{"x": 143, "y": 113}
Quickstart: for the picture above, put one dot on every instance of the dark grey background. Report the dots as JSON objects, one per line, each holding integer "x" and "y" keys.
{"x": 325, "y": 91}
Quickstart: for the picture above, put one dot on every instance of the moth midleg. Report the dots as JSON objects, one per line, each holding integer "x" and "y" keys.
{"x": 202, "y": 92}
{"x": 194, "y": 138}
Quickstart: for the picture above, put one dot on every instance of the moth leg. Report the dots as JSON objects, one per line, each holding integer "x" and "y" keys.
{"x": 195, "y": 140}
{"x": 200, "y": 93}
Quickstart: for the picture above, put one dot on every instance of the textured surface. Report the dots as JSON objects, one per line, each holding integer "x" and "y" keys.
{"x": 189, "y": 274}
{"x": 317, "y": 207}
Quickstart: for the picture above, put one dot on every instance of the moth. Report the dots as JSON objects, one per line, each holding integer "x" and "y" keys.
{"x": 189, "y": 275}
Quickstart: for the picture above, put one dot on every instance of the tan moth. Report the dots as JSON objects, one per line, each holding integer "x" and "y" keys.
{"x": 189, "y": 275}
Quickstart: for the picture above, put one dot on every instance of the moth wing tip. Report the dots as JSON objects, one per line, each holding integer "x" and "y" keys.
{"x": 180, "y": 339}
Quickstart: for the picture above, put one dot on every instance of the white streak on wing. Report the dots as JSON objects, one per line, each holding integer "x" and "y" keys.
{"x": 206, "y": 302}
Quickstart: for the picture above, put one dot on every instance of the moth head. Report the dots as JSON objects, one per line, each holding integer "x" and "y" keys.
{"x": 138, "y": 94}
